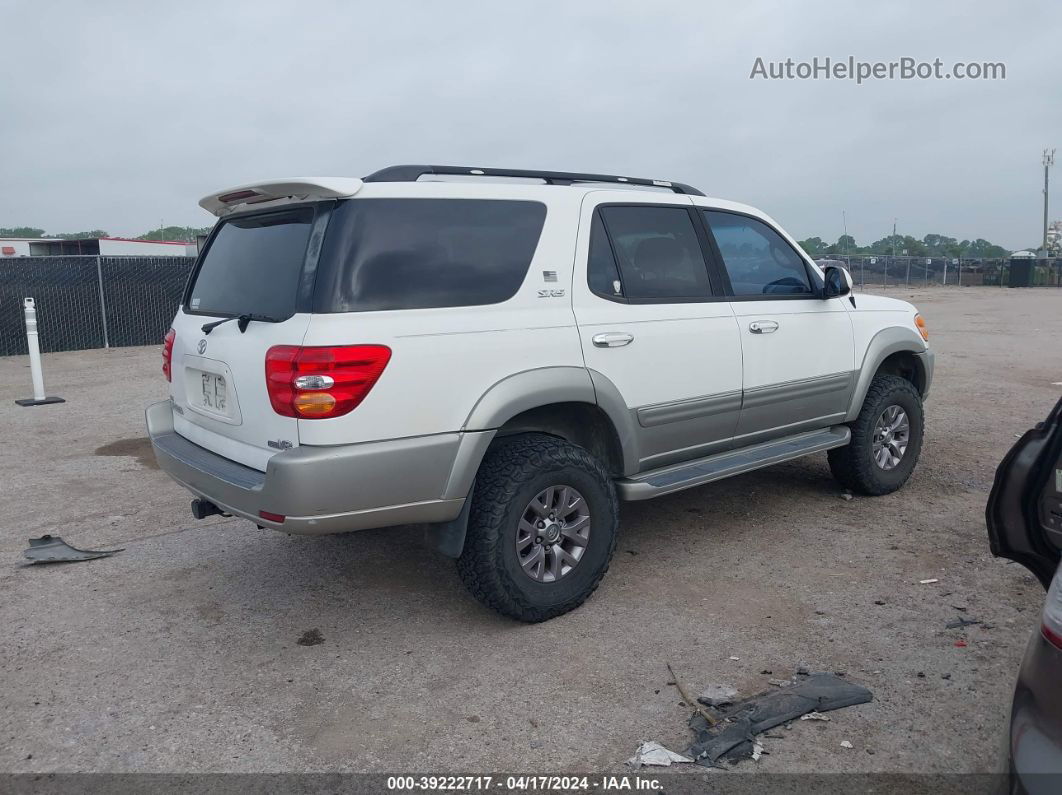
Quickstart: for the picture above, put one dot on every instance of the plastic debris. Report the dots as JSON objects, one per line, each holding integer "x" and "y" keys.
{"x": 52, "y": 549}
{"x": 732, "y": 738}
{"x": 846, "y": 744}
{"x": 716, "y": 695}
{"x": 814, "y": 716}
{"x": 735, "y": 658}
{"x": 757, "y": 752}
{"x": 653, "y": 753}
{"x": 930, "y": 581}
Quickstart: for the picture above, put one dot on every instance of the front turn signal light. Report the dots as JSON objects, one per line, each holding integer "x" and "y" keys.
{"x": 921, "y": 324}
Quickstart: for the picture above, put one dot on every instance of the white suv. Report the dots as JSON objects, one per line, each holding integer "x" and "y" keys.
{"x": 503, "y": 355}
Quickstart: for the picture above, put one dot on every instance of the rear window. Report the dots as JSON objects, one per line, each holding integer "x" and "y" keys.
{"x": 253, "y": 265}
{"x": 421, "y": 253}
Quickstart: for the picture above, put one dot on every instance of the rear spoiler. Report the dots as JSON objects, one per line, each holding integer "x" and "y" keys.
{"x": 294, "y": 188}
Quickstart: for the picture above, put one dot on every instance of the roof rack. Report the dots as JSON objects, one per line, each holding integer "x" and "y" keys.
{"x": 413, "y": 173}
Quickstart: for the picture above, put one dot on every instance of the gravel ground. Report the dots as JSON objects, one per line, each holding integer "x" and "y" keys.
{"x": 182, "y": 653}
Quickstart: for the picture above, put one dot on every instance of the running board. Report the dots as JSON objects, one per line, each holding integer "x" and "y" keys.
{"x": 688, "y": 474}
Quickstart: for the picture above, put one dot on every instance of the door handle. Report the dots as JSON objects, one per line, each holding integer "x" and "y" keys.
{"x": 612, "y": 339}
{"x": 763, "y": 326}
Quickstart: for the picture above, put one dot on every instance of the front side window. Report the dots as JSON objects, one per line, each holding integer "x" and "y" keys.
{"x": 757, "y": 259}
{"x": 658, "y": 252}
{"x": 384, "y": 254}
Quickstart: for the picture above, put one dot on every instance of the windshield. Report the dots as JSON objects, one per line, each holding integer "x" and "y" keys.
{"x": 253, "y": 265}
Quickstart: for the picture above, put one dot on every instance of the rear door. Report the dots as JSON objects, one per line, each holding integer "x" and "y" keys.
{"x": 651, "y": 323}
{"x": 1024, "y": 513}
{"x": 260, "y": 265}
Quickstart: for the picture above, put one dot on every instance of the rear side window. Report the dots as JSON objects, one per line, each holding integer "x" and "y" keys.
{"x": 420, "y": 253}
{"x": 658, "y": 251}
{"x": 253, "y": 265}
{"x": 757, "y": 259}
{"x": 601, "y": 271}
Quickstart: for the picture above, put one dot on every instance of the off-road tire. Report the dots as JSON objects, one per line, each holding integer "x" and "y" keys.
{"x": 513, "y": 471}
{"x": 854, "y": 466}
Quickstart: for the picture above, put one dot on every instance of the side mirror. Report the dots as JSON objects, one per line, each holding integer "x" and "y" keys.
{"x": 837, "y": 282}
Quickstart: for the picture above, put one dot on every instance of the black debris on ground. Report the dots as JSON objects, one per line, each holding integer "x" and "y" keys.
{"x": 311, "y": 637}
{"x": 732, "y": 737}
{"x": 52, "y": 549}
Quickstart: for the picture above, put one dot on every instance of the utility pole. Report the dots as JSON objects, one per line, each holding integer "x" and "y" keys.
{"x": 894, "y": 250}
{"x": 844, "y": 224}
{"x": 1049, "y": 160}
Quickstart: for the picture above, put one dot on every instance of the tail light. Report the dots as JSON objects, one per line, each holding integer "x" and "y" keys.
{"x": 319, "y": 383}
{"x": 167, "y": 354}
{"x": 1051, "y": 627}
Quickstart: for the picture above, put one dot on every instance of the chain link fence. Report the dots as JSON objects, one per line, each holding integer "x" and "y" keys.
{"x": 90, "y": 302}
{"x": 884, "y": 272}
{"x": 101, "y": 302}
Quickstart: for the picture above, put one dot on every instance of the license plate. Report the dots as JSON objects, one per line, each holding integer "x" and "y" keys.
{"x": 215, "y": 396}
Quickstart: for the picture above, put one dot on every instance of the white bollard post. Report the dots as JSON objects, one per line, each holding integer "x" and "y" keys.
{"x": 39, "y": 398}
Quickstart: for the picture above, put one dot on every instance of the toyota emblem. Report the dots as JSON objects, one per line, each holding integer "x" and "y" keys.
{"x": 202, "y": 346}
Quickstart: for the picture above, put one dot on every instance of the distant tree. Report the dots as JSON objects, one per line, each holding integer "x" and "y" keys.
{"x": 846, "y": 243}
{"x": 912, "y": 246}
{"x": 79, "y": 235}
{"x": 845, "y": 246}
{"x": 884, "y": 246}
{"x": 982, "y": 248}
{"x": 940, "y": 246}
{"x": 814, "y": 246}
{"x": 182, "y": 234}
{"x": 21, "y": 231}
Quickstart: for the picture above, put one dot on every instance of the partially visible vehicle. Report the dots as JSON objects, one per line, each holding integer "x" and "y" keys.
{"x": 1024, "y": 518}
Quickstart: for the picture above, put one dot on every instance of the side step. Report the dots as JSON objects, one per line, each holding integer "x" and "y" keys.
{"x": 688, "y": 474}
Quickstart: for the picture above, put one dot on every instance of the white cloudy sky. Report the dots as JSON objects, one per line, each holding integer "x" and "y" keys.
{"x": 115, "y": 115}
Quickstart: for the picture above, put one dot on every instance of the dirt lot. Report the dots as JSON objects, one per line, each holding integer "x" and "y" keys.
{"x": 181, "y": 653}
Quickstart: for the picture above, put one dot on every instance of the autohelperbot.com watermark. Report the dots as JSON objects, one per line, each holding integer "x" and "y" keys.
{"x": 851, "y": 68}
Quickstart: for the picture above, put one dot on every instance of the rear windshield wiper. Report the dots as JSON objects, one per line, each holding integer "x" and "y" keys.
{"x": 241, "y": 321}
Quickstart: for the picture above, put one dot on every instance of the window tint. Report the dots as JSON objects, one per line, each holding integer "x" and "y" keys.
{"x": 758, "y": 260}
{"x": 253, "y": 265}
{"x": 419, "y": 253}
{"x": 601, "y": 271}
{"x": 658, "y": 252}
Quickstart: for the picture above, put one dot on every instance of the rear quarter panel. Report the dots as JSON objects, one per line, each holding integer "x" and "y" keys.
{"x": 444, "y": 360}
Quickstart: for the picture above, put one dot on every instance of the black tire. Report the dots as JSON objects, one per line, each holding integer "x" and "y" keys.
{"x": 854, "y": 466}
{"x": 513, "y": 472}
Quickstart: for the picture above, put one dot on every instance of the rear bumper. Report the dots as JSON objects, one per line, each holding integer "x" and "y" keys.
{"x": 321, "y": 490}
